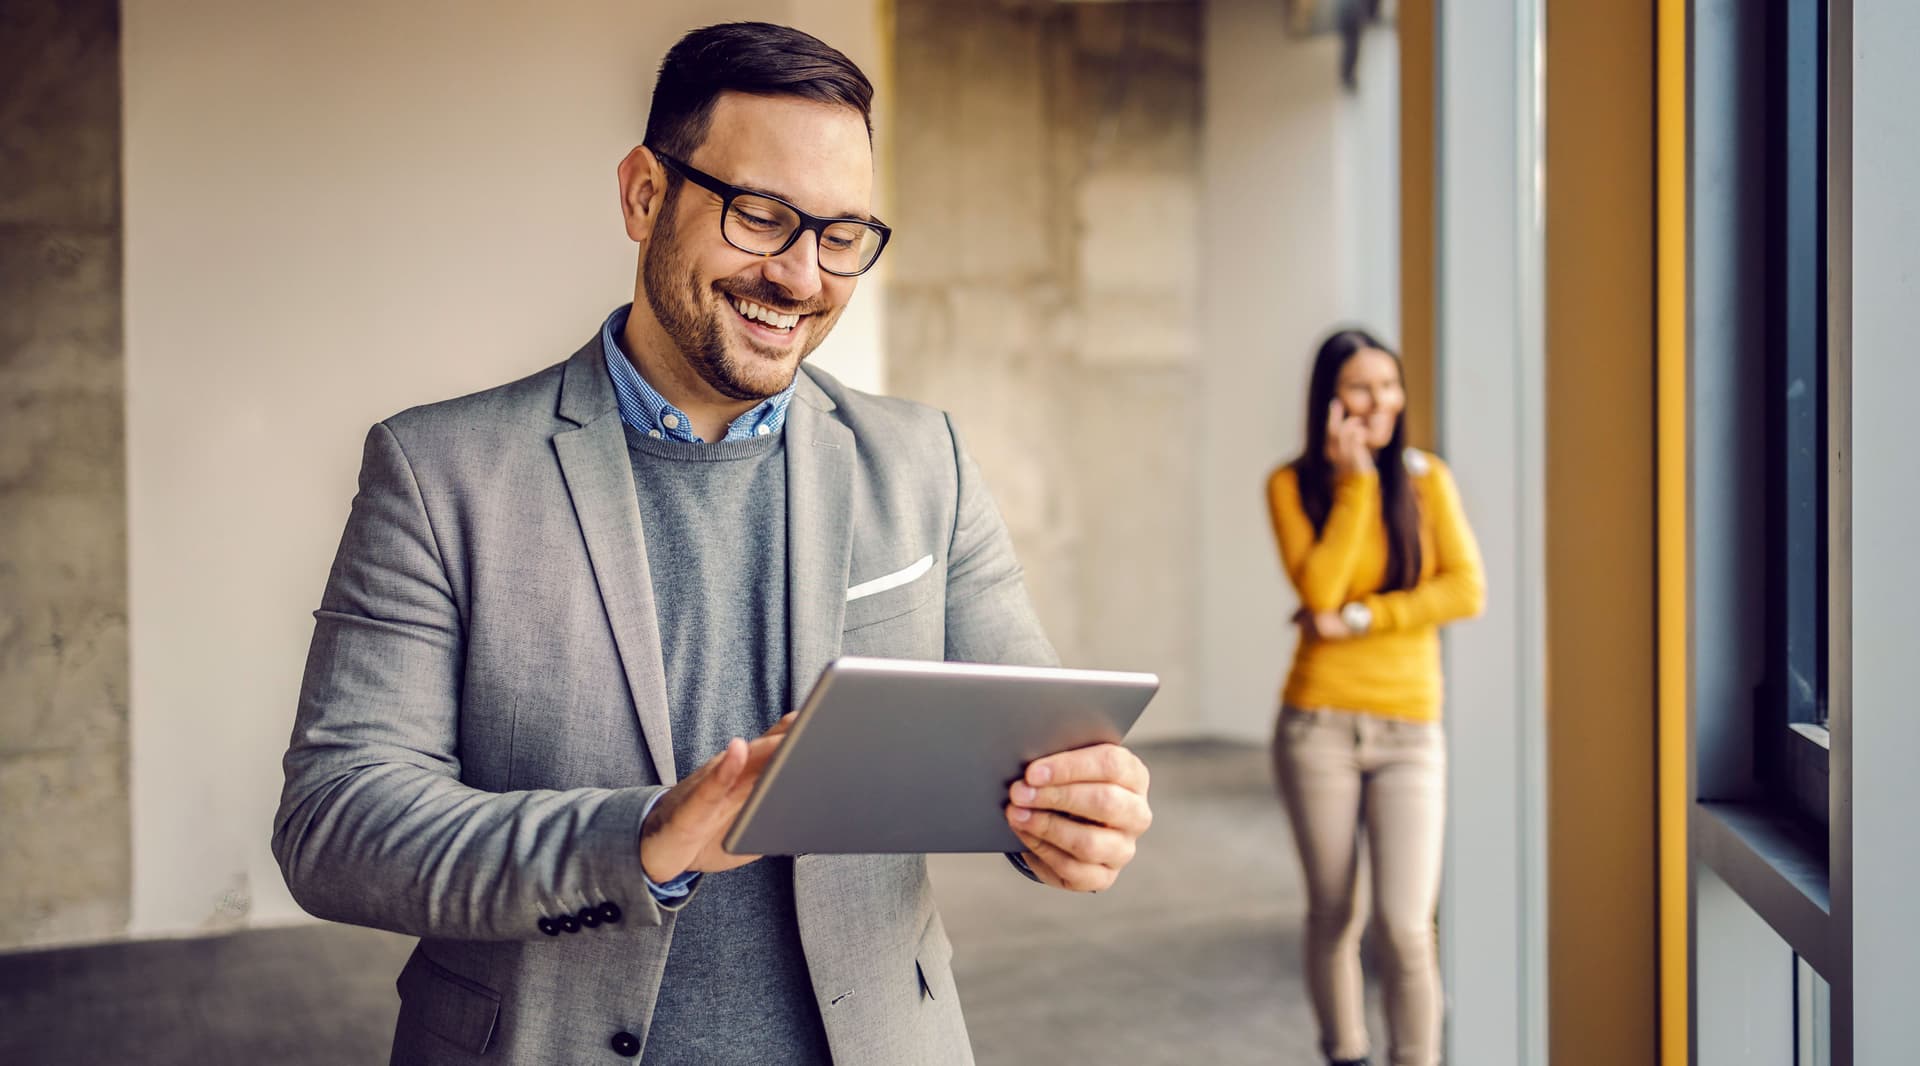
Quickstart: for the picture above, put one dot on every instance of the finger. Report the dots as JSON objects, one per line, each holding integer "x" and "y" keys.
{"x": 760, "y": 752}
{"x": 1046, "y": 874}
{"x": 1336, "y": 412}
{"x": 1102, "y": 803}
{"x": 707, "y": 788}
{"x": 1093, "y": 844}
{"x": 721, "y": 816}
{"x": 1100, "y": 762}
{"x": 705, "y": 769}
{"x": 1069, "y": 873}
{"x": 785, "y": 723}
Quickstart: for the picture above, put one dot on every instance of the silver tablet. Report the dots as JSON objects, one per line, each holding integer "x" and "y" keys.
{"x": 889, "y": 755}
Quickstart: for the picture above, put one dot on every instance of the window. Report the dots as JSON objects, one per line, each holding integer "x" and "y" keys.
{"x": 1791, "y": 741}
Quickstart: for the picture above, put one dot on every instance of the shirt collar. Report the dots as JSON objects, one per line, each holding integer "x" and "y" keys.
{"x": 643, "y": 408}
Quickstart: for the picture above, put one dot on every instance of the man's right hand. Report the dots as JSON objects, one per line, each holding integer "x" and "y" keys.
{"x": 684, "y": 830}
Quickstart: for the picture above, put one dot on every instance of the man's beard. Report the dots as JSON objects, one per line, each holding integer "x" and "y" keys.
{"x": 700, "y": 335}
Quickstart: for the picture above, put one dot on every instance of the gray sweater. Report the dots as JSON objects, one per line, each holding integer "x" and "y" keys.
{"x": 736, "y": 988}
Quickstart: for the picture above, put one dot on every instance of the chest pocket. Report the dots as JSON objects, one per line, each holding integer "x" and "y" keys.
{"x": 892, "y": 592}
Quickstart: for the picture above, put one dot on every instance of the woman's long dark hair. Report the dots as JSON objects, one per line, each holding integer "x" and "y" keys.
{"x": 1399, "y": 510}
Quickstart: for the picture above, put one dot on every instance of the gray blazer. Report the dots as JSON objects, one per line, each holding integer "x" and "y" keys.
{"x": 484, "y": 713}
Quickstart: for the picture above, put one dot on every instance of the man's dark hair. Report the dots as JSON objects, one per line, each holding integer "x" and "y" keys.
{"x": 746, "y": 57}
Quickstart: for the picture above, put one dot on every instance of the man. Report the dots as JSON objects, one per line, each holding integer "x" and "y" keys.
{"x": 560, "y": 605}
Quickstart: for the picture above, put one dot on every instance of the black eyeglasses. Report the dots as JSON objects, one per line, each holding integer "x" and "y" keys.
{"x": 764, "y": 225}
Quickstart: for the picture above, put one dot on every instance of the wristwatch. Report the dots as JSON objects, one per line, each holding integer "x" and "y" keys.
{"x": 1357, "y": 617}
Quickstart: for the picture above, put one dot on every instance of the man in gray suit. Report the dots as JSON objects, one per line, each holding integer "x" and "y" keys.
{"x": 560, "y": 606}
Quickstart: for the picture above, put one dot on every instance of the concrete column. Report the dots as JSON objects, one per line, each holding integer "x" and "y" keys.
{"x": 63, "y": 544}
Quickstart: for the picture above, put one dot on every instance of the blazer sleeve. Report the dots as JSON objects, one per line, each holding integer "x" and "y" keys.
{"x": 990, "y": 618}
{"x": 1457, "y": 588}
{"x": 374, "y": 825}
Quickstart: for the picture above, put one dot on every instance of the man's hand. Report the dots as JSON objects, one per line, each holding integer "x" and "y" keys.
{"x": 684, "y": 830}
{"x": 1079, "y": 813}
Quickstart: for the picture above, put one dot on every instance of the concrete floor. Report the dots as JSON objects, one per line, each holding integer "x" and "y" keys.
{"x": 1192, "y": 957}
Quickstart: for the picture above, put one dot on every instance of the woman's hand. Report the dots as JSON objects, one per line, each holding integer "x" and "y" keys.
{"x": 1321, "y": 625}
{"x": 1347, "y": 447}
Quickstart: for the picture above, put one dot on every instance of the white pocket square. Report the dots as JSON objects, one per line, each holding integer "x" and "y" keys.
{"x": 890, "y": 581}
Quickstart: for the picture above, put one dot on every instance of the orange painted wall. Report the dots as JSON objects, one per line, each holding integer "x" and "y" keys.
{"x": 1603, "y": 995}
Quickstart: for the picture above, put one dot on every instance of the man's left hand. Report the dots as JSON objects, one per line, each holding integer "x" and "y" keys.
{"x": 1079, "y": 813}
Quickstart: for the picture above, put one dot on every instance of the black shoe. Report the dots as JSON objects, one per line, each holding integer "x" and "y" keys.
{"x": 1349, "y": 1062}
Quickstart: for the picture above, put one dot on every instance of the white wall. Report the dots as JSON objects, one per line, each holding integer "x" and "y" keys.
{"x": 333, "y": 212}
{"x": 1490, "y": 385}
{"x": 1300, "y": 224}
{"x": 1878, "y": 733}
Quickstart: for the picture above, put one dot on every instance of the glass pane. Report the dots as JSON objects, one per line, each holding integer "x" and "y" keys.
{"x": 1799, "y": 378}
{"x": 848, "y": 246}
{"x": 757, "y": 224}
{"x": 1813, "y": 1017}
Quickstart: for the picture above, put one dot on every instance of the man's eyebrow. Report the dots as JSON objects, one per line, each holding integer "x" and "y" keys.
{"x": 763, "y": 191}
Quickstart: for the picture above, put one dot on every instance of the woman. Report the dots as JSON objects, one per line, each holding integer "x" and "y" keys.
{"x": 1375, "y": 542}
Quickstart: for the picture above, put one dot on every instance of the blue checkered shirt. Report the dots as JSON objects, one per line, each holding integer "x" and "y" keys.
{"x": 648, "y": 412}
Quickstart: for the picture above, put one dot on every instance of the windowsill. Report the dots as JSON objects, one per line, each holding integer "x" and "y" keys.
{"x": 1776, "y": 867}
{"x": 1813, "y": 734}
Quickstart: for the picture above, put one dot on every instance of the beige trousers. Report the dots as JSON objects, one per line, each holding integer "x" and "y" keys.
{"x": 1345, "y": 777}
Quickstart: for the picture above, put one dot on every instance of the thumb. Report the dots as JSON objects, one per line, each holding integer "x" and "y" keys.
{"x": 708, "y": 799}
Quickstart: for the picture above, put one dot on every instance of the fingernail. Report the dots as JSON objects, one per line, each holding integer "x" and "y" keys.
{"x": 1021, "y": 814}
{"x": 1040, "y": 774}
{"x": 1023, "y": 793}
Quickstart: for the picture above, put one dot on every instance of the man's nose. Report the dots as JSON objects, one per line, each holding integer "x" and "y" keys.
{"x": 796, "y": 270}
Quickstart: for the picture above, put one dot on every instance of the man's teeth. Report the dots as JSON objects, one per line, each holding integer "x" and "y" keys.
{"x": 767, "y": 315}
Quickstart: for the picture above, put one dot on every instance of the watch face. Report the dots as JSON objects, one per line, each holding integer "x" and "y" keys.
{"x": 1356, "y": 616}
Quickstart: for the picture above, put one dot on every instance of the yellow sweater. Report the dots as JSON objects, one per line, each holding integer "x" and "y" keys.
{"x": 1394, "y": 669}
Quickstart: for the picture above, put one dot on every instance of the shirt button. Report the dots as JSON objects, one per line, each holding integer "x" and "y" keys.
{"x": 654, "y": 433}
{"x": 671, "y": 421}
{"x": 764, "y": 430}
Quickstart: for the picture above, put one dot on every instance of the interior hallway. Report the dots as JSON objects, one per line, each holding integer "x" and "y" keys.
{"x": 1193, "y": 957}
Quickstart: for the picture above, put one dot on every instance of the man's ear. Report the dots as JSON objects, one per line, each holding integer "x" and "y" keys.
{"x": 643, "y": 191}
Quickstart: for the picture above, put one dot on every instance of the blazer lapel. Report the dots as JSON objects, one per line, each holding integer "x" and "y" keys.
{"x": 593, "y": 459}
{"x": 820, "y": 462}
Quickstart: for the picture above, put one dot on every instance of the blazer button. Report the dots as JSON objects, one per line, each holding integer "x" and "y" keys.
{"x": 626, "y": 1044}
{"x": 569, "y": 923}
{"x": 549, "y": 927}
{"x": 610, "y": 912}
{"x": 589, "y": 917}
